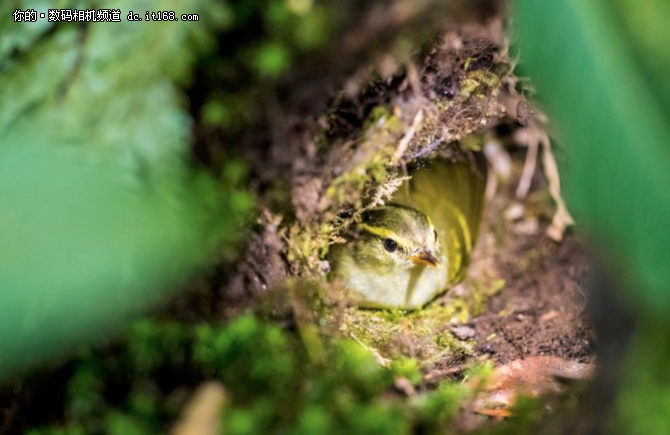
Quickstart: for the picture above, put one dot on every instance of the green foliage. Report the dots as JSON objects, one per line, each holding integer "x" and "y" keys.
{"x": 644, "y": 403}
{"x": 526, "y": 416}
{"x": 86, "y": 392}
{"x": 67, "y": 430}
{"x": 126, "y": 71}
{"x": 271, "y": 39}
{"x": 240, "y": 356}
{"x": 435, "y": 410}
{"x": 407, "y": 368}
{"x": 273, "y": 385}
{"x": 271, "y": 59}
{"x": 106, "y": 211}
{"x": 121, "y": 424}
{"x": 150, "y": 343}
{"x": 647, "y": 34}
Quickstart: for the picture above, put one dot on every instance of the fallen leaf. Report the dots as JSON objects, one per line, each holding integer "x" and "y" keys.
{"x": 532, "y": 376}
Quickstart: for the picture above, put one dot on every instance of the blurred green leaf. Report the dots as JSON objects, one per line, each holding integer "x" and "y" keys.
{"x": 122, "y": 424}
{"x": 109, "y": 83}
{"x": 102, "y": 211}
{"x": 609, "y": 109}
{"x": 646, "y": 29}
{"x": 67, "y": 430}
{"x": 643, "y": 404}
{"x": 84, "y": 246}
{"x": 271, "y": 59}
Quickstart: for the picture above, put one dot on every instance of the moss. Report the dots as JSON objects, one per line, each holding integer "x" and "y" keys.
{"x": 367, "y": 182}
{"x": 377, "y": 142}
{"x": 397, "y": 334}
{"x": 407, "y": 368}
{"x": 423, "y": 333}
{"x": 381, "y": 118}
{"x": 273, "y": 384}
{"x": 481, "y": 291}
{"x": 479, "y": 84}
{"x": 303, "y": 247}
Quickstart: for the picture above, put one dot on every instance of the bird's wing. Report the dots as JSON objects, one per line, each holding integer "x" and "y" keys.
{"x": 452, "y": 195}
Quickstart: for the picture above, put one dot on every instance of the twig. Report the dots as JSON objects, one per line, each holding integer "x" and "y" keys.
{"x": 427, "y": 150}
{"x": 528, "y": 170}
{"x": 562, "y": 218}
{"x": 382, "y": 361}
{"x": 405, "y": 174}
{"x": 437, "y": 375}
{"x": 534, "y": 137}
{"x": 407, "y": 138}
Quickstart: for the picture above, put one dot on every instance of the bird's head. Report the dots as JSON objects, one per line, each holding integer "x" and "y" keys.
{"x": 396, "y": 236}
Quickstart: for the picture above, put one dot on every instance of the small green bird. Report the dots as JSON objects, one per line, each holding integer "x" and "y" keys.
{"x": 413, "y": 249}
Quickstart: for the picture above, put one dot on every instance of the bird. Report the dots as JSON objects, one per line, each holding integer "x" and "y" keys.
{"x": 404, "y": 254}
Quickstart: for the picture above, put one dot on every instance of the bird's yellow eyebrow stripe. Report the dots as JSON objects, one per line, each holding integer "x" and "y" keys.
{"x": 384, "y": 234}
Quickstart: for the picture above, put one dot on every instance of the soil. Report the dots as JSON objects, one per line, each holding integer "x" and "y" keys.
{"x": 541, "y": 312}
{"x": 541, "y": 309}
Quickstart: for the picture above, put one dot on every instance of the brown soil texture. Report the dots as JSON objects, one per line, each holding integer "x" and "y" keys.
{"x": 541, "y": 310}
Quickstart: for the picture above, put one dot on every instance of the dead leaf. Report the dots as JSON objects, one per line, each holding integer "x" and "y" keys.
{"x": 532, "y": 376}
{"x": 524, "y": 112}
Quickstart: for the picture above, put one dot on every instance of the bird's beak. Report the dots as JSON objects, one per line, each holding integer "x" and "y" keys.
{"x": 425, "y": 258}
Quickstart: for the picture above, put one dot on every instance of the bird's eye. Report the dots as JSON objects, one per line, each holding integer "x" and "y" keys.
{"x": 390, "y": 245}
{"x": 435, "y": 232}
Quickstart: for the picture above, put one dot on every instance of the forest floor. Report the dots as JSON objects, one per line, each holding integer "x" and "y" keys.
{"x": 534, "y": 326}
{"x": 541, "y": 309}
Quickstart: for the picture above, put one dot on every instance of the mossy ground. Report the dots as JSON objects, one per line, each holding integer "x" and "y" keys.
{"x": 272, "y": 383}
{"x": 423, "y": 334}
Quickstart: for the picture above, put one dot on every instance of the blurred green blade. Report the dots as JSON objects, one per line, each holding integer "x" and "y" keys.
{"x": 82, "y": 249}
{"x": 609, "y": 113}
{"x": 100, "y": 212}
